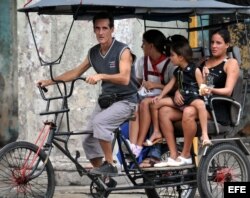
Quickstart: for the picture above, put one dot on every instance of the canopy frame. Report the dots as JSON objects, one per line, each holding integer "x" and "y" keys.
{"x": 79, "y": 7}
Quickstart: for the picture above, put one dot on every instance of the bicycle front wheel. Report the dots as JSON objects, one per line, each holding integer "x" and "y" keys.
{"x": 23, "y": 173}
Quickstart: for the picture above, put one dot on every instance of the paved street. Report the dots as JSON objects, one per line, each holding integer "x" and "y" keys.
{"x": 84, "y": 192}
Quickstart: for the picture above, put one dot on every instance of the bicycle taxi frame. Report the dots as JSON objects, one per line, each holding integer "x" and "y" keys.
{"x": 26, "y": 170}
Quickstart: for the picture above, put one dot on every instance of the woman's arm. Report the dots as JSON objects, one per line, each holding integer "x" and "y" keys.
{"x": 198, "y": 76}
{"x": 232, "y": 70}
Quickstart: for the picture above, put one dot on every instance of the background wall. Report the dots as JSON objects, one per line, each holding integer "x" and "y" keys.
{"x": 8, "y": 73}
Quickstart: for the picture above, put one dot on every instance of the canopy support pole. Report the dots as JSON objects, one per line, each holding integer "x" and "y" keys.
{"x": 58, "y": 60}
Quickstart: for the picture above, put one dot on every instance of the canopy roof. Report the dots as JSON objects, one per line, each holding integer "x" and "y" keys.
{"x": 237, "y": 2}
{"x": 146, "y": 9}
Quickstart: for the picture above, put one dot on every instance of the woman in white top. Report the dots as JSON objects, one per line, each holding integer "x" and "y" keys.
{"x": 153, "y": 71}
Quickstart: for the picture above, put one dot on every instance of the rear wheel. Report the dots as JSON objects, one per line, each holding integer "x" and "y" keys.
{"x": 174, "y": 191}
{"x": 25, "y": 174}
{"x": 224, "y": 162}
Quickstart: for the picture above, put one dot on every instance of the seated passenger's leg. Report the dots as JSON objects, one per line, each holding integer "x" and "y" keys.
{"x": 144, "y": 121}
{"x": 133, "y": 133}
{"x": 168, "y": 115}
{"x": 134, "y": 129}
{"x": 189, "y": 129}
{"x": 154, "y": 109}
{"x": 189, "y": 126}
{"x": 202, "y": 113}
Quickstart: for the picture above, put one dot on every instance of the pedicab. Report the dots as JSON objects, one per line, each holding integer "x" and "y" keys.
{"x": 26, "y": 169}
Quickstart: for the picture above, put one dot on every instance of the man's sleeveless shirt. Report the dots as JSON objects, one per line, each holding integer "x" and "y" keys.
{"x": 109, "y": 64}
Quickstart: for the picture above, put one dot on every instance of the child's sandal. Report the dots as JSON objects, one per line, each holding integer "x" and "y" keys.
{"x": 206, "y": 143}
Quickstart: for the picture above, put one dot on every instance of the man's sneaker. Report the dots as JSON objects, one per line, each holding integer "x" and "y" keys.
{"x": 105, "y": 169}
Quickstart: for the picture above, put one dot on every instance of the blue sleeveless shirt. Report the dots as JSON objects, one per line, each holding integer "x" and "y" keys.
{"x": 109, "y": 64}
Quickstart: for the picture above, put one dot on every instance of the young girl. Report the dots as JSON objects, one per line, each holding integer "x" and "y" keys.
{"x": 189, "y": 79}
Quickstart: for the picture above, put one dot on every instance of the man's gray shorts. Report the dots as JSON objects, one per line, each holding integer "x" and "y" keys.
{"x": 103, "y": 123}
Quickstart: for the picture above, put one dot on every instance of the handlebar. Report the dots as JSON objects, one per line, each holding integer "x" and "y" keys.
{"x": 63, "y": 96}
{"x": 45, "y": 90}
{"x": 64, "y": 93}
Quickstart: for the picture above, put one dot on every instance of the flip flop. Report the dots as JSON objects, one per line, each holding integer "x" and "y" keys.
{"x": 148, "y": 163}
{"x": 151, "y": 143}
{"x": 206, "y": 143}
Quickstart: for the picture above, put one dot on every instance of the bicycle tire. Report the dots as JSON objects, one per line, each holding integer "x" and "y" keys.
{"x": 16, "y": 167}
{"x": 221, "y": 163}
{"x": 183, "y": 191}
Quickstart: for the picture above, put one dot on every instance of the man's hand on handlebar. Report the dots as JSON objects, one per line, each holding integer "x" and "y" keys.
{"x": 44, "y": 83}
{"x": 94, "y": 79}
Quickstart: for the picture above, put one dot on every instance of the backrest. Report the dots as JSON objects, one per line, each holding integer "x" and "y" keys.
{"x": 198, "y": 55}
{"x": 234, "y": 52}
{"x": 237, "y": 94}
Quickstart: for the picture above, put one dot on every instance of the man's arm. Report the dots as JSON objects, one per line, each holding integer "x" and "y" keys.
{"x": 122, "y": 77}
{"x": 68, "y": 75}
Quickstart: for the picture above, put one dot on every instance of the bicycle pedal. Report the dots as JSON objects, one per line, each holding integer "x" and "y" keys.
{"x": 110, "y": 182}
{"x": 79, "y": 170}
{"x": 46, "y": 147}
{"x": 77, "y": 155}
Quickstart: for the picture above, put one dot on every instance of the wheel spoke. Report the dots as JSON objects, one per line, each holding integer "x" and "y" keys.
{"x": 15, "y": 171}
{"x": 223, "y": 163}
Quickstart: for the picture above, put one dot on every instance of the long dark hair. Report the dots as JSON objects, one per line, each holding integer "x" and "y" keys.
{"x": 158, "y": 39}
{"x": 180, "y": 45}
